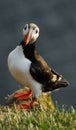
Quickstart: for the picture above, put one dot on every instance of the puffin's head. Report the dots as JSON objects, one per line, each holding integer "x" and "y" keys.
{"x": 30, "y": 33}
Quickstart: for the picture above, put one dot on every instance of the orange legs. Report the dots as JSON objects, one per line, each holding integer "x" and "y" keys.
{"x": 25, "y": 96}
{"x": 26, "y": 105}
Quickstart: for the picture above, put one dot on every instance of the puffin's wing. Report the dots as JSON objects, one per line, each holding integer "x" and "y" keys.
{"x": 40, "y": 73}
{"x": 48, "y": 77}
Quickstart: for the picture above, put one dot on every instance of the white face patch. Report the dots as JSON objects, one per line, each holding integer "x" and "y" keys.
{"x": 34, "y": 32}
{"x": 25, "y": 30}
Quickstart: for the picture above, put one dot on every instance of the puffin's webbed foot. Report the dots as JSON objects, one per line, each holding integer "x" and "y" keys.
{"x": 26, "y": 105}
{"x": 23, "y": 95}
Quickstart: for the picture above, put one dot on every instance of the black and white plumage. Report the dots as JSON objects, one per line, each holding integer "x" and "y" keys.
{"x": 29, "y": 68}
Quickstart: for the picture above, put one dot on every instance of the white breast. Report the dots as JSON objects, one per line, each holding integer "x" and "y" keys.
{"x": 19, "y": 67}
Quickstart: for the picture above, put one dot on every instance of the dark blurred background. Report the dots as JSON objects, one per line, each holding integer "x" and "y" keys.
{"x": 57, "y": 41}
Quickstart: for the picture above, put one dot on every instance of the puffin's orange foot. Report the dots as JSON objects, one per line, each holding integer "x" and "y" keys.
{"x": 23, "y": 95}
{"x": 26, "y": 106}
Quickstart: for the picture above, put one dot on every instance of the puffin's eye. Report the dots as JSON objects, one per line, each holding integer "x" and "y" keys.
{"x": 36, "y": 31}
{"x": 25, "y": 27}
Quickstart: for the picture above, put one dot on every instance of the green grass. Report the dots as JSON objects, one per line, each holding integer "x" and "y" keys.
{"x": 36, "y": 119}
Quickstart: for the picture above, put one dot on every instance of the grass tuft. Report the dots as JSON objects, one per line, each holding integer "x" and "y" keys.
{"x": 37, "y": 119}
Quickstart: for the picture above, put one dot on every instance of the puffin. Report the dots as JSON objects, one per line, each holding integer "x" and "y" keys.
{"x": 30, "y": 69}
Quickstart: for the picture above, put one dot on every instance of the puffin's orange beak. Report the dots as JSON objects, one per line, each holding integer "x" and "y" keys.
{"x": 28, "y": 37}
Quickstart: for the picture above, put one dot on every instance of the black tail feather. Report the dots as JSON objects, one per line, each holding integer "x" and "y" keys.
{"x": 51, "y": 86}
{"x": 62, "y": 83}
